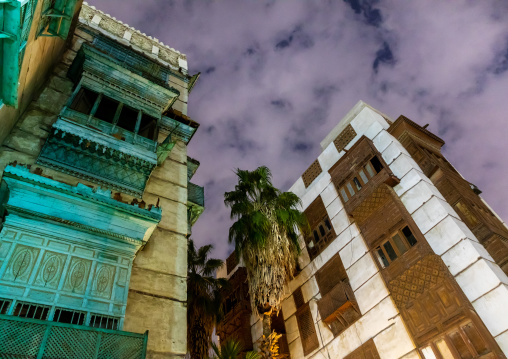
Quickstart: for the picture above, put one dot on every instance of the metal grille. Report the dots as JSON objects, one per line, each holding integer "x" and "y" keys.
{"x": 69, "y": 316}
{"x": 104, "y": 321}
{"x": 311, "y": 173}
{"x": 70, "y": 343}
{"x": 31, "y": 310}
{"x": 23, "y": 338}
{"x": 4, "y": 305}
{"x": 344, "y": 138}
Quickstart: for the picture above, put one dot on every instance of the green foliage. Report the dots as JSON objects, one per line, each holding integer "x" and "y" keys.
{"x": 265, "y": 233}
{"x": 230, "y": 349}
{"x": 203, "y": 299}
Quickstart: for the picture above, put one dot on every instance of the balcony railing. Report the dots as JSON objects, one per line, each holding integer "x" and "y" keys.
{"x": 196, "y": 194}
{"x": 24, "y": 338}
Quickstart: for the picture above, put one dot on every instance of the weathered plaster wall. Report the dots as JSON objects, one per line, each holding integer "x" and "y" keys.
{"x": 41, "y": 55}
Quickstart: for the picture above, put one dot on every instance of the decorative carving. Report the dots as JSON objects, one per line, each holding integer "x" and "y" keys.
{"x": 103, "y": 282}
{"x": 370, "y": 205}
{"x": 77, "y": 275}
{"x": 346, "y": 136}
{"x": 50, "y": 270}
{"x": 21, "y": 263}
{"x": 311, "y": 173}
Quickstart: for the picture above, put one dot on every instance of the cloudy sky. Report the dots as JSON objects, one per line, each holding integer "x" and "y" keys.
{"x": 277, "y": 76}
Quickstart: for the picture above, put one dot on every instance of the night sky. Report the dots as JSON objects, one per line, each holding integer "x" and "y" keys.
{"x": 277, "y": 76}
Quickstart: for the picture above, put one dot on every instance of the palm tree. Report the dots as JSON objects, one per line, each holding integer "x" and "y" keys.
{"x": 266, "y": 237}
{"x": 203, "y": 299}
{"x": 232, "y": 349}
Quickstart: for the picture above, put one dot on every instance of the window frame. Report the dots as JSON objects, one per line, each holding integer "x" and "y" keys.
{"x": 393, "y": 244}
{"x": 349, "y": 188}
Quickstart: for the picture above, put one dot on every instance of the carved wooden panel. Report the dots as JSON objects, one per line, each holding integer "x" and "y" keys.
{"x": 330, "y": 274}
{"x": 371, "y": 204}
{"x": 50, "y": 270}
{"x": 21, "y": 264}
{"x": 307, "y": 329}
{"x": 77, "y": 275}
{"x": 367, "y": 350}
{"x": 311, "y": 173}
{"x": 322, "y": 232}
{"x": 344, "y": 138}
{"x": 103, "y": 280}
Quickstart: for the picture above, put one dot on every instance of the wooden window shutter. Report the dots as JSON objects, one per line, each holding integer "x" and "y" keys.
{"x": 311, "y": 173}
{"x": 346, "y": 136}
{"x": 366, "y": 351}
{"x": 307, "y": 329}
{"x": 298, "y": 297}
{"x": 331, "y": 274}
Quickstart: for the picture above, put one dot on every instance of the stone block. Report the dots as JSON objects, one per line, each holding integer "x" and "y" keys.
{"x": 340, "y": 221}
{"x": 394, "y": 341}
{"x": 361, "y": 271}
{"x": 447, "y": 233}
{"x": 418, "y": 195}
{"x": 329, "y": 194}
{"x": 24, "y": 142}
{"x": 298, "y": 187}
{"x": 371, "y": 293}
{"x": 393, "y": 151}
{"x": 158, "y": 315}
{"x": 171, "y": 171}
{"x": 413, "y": 354}
{"x": 161, "y": 188}
{"x": 310, "y": 289}
{"x": 292, "y": 330}
{"x": 302, "y": 277}
{"x": 174, "y": 214}
{"x": 373, "y": 130}
{"x": 344, "y": 343}
{"x": 366, "y": 118}
{"x": 325, "y": 335}
{"x": 288, "y": 307}
{"x": 328, "y": 157}
{"x": 333, "y": 248}
{"x": 257, "y": 330}
{"x": 61, "y": 84}
{"x": 382, "y": 140}
{"x": 502, "y": 341}
{"x": 51, "y": 100}
{"x": 480, "y": 278}
{"x": 493, "y": 310}
{"x": 376, "y": 320}
{"x": 296, "y": 348}
{"x": 157, "y": 283}
{"x": 303, "y": 259}
{"x": 179, "y": 152}
{"x": 463, "y": 254}
{"x": 334, "y": 207}
{"x": 315, "y": 189}
{"x": 36, "y": 122}
{"x": 165, "y": 252}
{"x": 353, "y": 251}
{"x": 402, "y": 165}
{"x": 409, "y": 181}
{"x": 431, "y": 213}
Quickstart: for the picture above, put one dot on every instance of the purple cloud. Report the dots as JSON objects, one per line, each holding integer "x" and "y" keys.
{"x": 277, "y": 76}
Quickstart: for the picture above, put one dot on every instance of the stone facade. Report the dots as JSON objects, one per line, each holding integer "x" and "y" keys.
{"x": 99, "y": 139}
{"x": 405, "y": 260}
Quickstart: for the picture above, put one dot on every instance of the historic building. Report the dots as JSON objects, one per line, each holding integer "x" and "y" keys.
{"x": 96, "y": 202}
{"x": 405, "y": 259}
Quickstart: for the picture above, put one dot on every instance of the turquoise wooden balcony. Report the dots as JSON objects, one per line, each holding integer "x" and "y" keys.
{"x": 196, "y": 194}
{"x": 37, "y": 339}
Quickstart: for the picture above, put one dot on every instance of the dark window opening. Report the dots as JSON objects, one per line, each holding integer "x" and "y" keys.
{"x": 69, "y": 316}
{"x": 321, "y": 230}
{"x": 105, "y": 322}
{"x": 382, "y": 257}
{"x": 409, "y": 236}
{"x": 327, "y": 224}
{"x": 33, "y": 311}
{"x": 390, "y": 251}
{"x": 357, "y": 183}
{"x": 84, "y": 101}
{"x": 376, "y": 164}
{"x": 106, "y": 110}
{"x": 316, "y": 236}
{"x": 128, "y": 118}
{"x": 4, "y": 306}
{"x": 148, "y": 127}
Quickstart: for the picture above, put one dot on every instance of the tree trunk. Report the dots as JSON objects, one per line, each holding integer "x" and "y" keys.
{"x": 267, "y": 324}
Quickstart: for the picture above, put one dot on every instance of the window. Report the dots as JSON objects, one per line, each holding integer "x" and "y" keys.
{"x": 4, "y": 305}
{"x": 56, "y": 17}
{"x": 395, "y": 246}
{"x": 106, "y": 109}
{"x": 83, "y": 101}
{"x": 69, "y": 316}
{"x": 31, "y": 310}
{"x": 462, "y": 342}
{"x": 360, "y": 179}
{"x": 103, "y": 321}
{"x": 322, "y": 234}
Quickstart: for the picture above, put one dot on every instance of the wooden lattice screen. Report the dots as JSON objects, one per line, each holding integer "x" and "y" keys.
{"x": 366, "y": 351}
{"x": 307, "y": 329}
{"x": 330, "y": 274}
{"x": 298, "y": 297}
{"x": 311, "y": 173}
{"x": 344, "y": 138}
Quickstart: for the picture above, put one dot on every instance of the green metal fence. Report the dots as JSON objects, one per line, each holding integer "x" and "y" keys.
{"x": 23, "y": 338}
